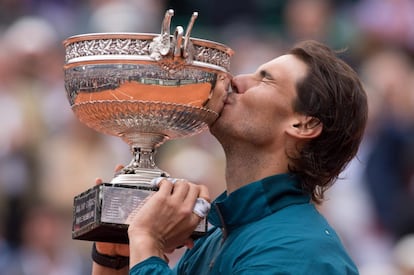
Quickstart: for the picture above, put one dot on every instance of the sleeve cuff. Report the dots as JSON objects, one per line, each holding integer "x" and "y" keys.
{"x": 151, "y": 263}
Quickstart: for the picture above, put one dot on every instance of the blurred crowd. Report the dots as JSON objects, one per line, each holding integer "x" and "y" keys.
{"x": 47, "y": 156}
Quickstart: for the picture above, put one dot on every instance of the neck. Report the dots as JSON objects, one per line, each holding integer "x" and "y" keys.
{"x": 246, "y": 164}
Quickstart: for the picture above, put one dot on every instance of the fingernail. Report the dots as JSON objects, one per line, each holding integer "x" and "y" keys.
{"x": 155, "y": 182}
{"x": 173, "y": 180}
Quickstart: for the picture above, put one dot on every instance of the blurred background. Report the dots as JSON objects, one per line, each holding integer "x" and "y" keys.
{"x": 47, "y": 157}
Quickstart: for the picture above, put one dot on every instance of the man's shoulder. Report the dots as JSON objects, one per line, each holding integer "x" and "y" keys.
{"x": 293, "y": 247}
{"x": 294, "y": 229}
{"x": 296, "y": 218}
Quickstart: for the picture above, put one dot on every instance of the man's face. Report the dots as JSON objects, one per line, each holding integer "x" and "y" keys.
{"x": 261, "y": 105}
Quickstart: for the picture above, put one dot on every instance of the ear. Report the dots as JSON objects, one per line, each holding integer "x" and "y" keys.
{"x": 305, "y": 127}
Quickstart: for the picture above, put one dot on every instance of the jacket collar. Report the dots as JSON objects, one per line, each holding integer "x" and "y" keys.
{"x": 256, "y": 201}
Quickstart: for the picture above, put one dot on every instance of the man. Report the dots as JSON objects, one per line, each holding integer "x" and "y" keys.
{"x": 287, "y": 131}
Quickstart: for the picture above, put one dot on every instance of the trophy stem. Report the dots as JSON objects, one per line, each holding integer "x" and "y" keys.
{"x": 142, "y": 168}
{"x": 143, "y": 158}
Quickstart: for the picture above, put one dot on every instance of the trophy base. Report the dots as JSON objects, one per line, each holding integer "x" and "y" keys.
{"x": 101, "y": 213}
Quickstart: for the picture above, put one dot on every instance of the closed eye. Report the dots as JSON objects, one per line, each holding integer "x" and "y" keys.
{"x": 266, "y": 76}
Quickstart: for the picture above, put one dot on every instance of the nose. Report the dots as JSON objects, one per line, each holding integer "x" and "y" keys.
{"x": 241, "y": 83}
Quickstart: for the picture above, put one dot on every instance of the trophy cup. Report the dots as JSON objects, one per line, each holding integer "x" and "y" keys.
{"x": 146, "y": 89}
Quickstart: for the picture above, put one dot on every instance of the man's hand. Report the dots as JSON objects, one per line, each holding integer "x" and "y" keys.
{"x": 165, "y": 221}
{"x": 110, "y": 249}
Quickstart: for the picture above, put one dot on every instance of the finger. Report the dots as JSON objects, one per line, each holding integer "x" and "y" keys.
{"x": 180, "y": 190}
{"x": 192, "y": 195}
{"x": 165, "y": 187}
{"x": 204, "y": 193}
{"x": 198, "y": 206}
{"x": 119, "y": 167}
{"x": 202, "y": 205}
{"x": 166, "y": 259}
{"x": 98, "y": 181}
{"x": 155, "y": 182}
{"x": 189, "y": 243}
{"x": 201, "y": 208}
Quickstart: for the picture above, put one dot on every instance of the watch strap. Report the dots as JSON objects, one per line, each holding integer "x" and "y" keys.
{"x": 114, "y": 262}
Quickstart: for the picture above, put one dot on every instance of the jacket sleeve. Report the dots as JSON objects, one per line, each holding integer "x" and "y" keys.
{"x": 153, "y": 266}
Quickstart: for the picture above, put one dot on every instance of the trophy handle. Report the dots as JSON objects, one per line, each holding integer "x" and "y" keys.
{"x": 165, "y": 32}
{"x": 178, "y": 37}
{"x": 188, "y": 33}
{"x": 161, "y": 44}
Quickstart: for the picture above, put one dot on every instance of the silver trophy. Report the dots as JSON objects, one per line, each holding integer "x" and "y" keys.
{"x": 146, "y": 89}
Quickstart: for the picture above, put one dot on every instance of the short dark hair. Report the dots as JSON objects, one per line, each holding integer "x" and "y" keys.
{"x": 331, "y": 92}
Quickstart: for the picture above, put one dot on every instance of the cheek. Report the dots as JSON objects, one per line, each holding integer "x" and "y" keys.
{"x": 256, "y": 114}
{"x": 265, "y": 114}
{"x": 259, "y": 109}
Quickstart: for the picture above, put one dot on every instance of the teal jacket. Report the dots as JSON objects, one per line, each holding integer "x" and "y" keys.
{"x": 266, "y": 227}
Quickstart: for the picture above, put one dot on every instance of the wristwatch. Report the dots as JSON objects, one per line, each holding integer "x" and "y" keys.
{"x": 114, "y": 262}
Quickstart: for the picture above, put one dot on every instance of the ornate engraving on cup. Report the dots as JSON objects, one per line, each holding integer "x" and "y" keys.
{"x": 146, "y": 89}
{"x": 137, "y": 47}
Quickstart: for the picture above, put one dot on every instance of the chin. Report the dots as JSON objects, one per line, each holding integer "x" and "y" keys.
{"x": 219, "y": 127}
{"x": 212, "y": 127}
{"x": 216, "y": 126}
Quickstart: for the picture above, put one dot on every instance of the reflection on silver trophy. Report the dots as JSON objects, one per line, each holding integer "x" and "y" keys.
{"x": 145, "y": 89}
